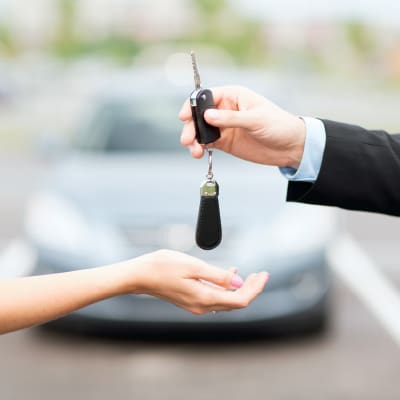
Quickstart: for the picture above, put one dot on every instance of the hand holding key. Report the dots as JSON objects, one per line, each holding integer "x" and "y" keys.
{"x": 208, "y": 229}
{"x": 200, "y": 101}
{"x": 252, "y": 128}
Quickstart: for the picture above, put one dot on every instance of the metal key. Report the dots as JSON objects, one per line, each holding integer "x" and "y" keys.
{"x": 200, "y": 101}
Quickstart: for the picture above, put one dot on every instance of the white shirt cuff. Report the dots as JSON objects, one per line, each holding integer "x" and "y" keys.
{"x": 314, "y": 147}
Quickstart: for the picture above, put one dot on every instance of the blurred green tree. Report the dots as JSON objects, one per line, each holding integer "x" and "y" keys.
{"x": 360, "y": 39}
{"x": 219, "y": 25}
{"x": 8, "y": 47}
{"x": 210, "y": 7}
{"x": 68, "y": 45}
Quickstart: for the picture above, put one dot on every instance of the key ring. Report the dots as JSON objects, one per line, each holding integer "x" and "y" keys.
{"x": 210, "y": 174}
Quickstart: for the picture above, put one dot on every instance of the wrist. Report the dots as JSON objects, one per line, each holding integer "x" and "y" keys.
{"x": 136, "y": 276}
{"x": 126, "y": 277}
{"x": 296, "y": 150}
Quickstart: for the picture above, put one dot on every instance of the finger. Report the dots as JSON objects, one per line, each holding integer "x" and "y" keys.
{"x": 230, "y": 93}
{"x": 242, "y": 297}
{"x": 228, "y": 300}
{"x": 196, "y": 150}
{"x": 213, "y": 285}
{"x": 188, "y": 135}
{"x": 211, "y": 298}
{"x": 188, "y": 140}
{"x": 252, "y": 287}
{"x": 230, "y": 119}
{"x": 218, "y": 276}
{"x": 233, "y": 269}
{"x": 220, "y": 93}
{"x": 185, "y": 113}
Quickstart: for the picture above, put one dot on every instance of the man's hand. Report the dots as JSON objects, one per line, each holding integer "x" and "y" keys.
{"x": 252, "y": 128}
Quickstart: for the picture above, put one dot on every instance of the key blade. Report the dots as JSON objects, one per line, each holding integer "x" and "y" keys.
{"x": 197, "y": 81}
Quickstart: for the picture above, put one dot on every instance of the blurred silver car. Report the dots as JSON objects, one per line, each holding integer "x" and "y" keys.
{"x": 126, "y": 187}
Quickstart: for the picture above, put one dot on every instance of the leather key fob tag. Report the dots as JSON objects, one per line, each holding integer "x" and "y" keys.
{"x": 208, "y": 229}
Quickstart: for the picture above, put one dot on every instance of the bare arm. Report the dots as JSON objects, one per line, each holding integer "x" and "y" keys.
{"x": 171, "y": 276}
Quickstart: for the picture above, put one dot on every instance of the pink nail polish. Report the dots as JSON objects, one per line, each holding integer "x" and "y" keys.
{"x": 237, "y": 282}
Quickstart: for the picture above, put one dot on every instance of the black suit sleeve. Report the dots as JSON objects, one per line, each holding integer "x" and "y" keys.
{"x": 360, "y": 170}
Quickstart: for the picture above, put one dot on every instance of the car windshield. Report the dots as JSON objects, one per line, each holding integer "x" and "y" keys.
{"x": 134, "y": 126}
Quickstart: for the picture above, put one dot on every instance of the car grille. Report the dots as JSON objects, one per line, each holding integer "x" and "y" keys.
{"x": 178, "y": 237}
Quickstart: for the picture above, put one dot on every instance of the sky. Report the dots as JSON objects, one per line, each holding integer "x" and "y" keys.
{"x": 381, "y": 11}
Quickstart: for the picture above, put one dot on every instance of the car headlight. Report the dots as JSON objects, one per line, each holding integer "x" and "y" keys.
{"x": 296, "y": 236}
{"x": 301, "y": 230}
{"x": 55, "y": 223}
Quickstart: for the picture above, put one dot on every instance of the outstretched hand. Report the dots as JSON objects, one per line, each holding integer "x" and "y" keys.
{"x": 193, "y": 284}
{"x": 176, "y": 277}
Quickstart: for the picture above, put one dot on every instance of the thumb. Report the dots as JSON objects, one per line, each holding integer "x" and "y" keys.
{"x": 220, "y": 277}
{"x": 230, "y": 118}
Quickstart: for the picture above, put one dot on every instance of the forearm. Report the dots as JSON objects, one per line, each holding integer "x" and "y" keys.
{"x": 168, "y": 275}
{"x": 358, "y": 172}
{"x": 29, "y": 301}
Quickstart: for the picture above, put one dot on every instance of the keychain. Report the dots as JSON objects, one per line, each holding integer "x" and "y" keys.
{"x": 208, "y": 229}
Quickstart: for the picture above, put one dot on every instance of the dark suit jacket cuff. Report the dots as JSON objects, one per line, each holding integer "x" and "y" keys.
{"x": 359, "y": 171}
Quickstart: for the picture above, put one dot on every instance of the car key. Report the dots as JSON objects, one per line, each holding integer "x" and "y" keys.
{"x": 200, "y": 101}
{"x": 208, "y": 229}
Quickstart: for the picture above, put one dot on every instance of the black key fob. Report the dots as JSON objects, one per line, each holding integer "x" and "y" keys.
{"x": 200, "y": 101}
{"x": 208, "y": 229}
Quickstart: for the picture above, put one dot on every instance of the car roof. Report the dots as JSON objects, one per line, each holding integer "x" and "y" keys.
{"x": 154, "y": 81}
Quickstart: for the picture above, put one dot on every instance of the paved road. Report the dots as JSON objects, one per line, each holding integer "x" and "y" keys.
{"x": 356, "y": 359}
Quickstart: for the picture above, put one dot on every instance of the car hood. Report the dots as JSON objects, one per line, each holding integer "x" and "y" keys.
{"x": 164, "y": 188}
{"x": 114, "y": 207}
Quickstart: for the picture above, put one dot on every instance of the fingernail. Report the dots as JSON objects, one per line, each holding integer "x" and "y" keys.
{"x": 212, "y": 114}
{"x": 237, "y": 282}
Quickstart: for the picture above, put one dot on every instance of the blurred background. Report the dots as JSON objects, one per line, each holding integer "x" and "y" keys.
{"x": 72, "y": 75}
